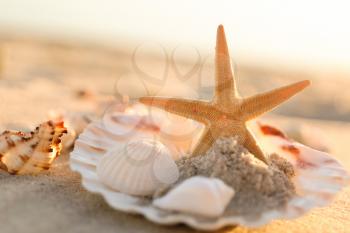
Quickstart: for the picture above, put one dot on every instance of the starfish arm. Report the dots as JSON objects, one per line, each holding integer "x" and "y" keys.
{"x": 256, "y": 105}
{"x": 225, "y": 88}
{"x": 251, "y": 144}
{"x": 185, "y": 108}
{"x": 204, "y": 143}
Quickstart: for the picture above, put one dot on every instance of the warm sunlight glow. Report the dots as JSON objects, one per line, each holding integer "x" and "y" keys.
{"x": 302, "y": 32}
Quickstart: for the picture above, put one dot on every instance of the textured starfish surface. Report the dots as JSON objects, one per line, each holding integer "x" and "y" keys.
{"x": 227, "y": 113}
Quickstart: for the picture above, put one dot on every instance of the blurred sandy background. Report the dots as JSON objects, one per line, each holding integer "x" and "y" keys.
{"x": 52, "y": 50}
{"x": 272, "y": 44}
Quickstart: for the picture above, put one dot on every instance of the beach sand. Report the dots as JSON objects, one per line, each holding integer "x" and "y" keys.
{"x": 54, "y": 201}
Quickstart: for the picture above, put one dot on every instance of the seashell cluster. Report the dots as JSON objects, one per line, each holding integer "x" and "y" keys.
{"x": 31, "y": 152}
{"x": 198, "y": 195}
{"x": 319, "y": 169}
{"x": 139, "y": 168}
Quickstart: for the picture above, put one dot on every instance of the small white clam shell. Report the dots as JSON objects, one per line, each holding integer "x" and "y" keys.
{"x": 140, "y": 168}
{"x": 198, "y": 195}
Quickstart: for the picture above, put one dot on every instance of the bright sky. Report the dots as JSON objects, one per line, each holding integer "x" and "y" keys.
{"x": 307, "y": 32}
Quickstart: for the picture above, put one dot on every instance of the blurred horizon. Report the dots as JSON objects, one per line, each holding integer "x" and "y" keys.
{"x": 167, "y": 48}
{"x": 310, "y": 36}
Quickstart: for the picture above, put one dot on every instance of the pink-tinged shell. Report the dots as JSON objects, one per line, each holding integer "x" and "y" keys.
{"x": 319, "y": 177}
{"x": 31, "y": 152}
{"x": 138, "y": 121}
{"x": 308, "y": 135}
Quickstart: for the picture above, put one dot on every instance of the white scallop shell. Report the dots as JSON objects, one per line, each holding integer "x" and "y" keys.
{"x": 140, "y": 168}
{"x": 319, "y": 177}
{"x": 189, "y": 196}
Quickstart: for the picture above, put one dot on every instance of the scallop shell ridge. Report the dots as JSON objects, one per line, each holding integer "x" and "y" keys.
{"x": 140, "y": 168}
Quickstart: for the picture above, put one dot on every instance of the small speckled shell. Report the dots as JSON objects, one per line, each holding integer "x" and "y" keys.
{"x": 29, "y": 153}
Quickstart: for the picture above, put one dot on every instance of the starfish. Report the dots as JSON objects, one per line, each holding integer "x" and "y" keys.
{"x": 227, "y": 113}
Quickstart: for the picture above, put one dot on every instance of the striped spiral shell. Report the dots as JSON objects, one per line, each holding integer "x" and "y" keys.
{"x": 31, "y": 152}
